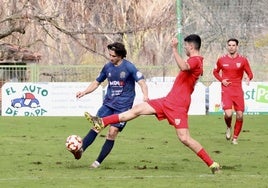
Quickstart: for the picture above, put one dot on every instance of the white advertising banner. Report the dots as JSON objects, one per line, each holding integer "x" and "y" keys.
{"x": 58, "y": 98}
{"x": 161, "y": 89}
{"x": 48, "y": 99}
{"x": 255, "y": 96}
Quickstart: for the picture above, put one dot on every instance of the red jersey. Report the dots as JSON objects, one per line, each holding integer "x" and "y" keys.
{"x": 183, "y": 87}
{"x": 233, "y": 70}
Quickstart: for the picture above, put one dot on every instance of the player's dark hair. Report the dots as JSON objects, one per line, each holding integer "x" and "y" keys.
{"x": 118, "y": 48}
{"x": 234, "y": 40}
{"x": 195, "y": 39}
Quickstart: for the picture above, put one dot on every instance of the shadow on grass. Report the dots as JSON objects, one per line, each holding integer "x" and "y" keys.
{"x": 235, "y": 167}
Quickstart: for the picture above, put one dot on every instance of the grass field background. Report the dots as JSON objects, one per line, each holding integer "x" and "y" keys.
{"x": 146, "y": 154}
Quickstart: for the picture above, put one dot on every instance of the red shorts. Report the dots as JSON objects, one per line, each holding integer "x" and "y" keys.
{"x": 176, "y": 116}
{"x": 236, "y": 102}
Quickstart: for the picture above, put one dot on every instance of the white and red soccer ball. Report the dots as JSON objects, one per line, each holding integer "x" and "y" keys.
{"x": 73, "y": 143}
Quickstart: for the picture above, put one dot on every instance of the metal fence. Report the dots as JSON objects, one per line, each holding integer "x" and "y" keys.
{"x": 87, "y": 73}
{"x": 69, "y": 73}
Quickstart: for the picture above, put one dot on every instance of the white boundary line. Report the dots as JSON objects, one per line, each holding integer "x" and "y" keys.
{"x": 133, "y": 177}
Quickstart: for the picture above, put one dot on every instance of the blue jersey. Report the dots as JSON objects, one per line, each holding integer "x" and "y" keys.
{"x": 121, "y": 84}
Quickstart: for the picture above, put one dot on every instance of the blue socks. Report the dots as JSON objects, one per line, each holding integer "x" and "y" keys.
{"x": 106, "y": 149}
{"x": 89, "y": 139}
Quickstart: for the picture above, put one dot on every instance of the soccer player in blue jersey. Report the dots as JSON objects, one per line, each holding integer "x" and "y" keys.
{"x": 122, "y": 76}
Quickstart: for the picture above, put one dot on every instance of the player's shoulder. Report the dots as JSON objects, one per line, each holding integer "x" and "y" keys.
{"x": 242, "y": 56}
{"x": 108, "y": 64}
{"x": 198, "y": 59}
{"x": 223, "y": 56}
{"x": 128, "y": 64}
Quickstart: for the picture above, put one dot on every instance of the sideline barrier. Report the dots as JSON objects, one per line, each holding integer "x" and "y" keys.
{"x": 161, "y": 89}
{"x": 58, "y": 98}
{"x": 255, "y": 96}
{"x": 54, "y": 98}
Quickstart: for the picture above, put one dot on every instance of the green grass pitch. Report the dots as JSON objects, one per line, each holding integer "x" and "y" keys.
{"x": 146, "y": 154}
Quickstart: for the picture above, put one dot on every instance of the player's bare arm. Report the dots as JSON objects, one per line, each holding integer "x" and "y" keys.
{"x": 180, "y": 62}
{"x": 92, "y": 87}
{"x": 144, "y": 89}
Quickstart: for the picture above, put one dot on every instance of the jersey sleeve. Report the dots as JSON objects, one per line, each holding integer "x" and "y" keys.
{"x": 135, "y": 73}
{"x": 102, "y": 76}
{"x": 216, "y": 71}
{"x": 193, "y": 63}
{"x": 196, "y": 64}
{"x": 248, "y": 70}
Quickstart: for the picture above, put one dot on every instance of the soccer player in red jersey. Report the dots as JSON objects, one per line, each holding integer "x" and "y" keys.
{"x": 229, "y": 70}
{"x": 174, "y": 107}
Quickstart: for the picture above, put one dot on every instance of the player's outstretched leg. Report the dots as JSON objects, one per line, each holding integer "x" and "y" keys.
{"x": 95, "y": 121}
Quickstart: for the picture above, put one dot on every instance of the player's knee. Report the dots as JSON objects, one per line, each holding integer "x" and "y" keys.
{"x": 136, "y": 110}
{"x": 239, "y": 116}
{"x": 112, "y": 134}
{"x": 184, "y": 139}
{"x": 228, "y": 115}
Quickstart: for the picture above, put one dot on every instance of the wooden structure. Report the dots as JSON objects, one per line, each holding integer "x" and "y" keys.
{"x": 11, "y": 57}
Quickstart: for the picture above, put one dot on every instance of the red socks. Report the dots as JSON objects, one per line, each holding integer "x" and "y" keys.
{"x": 110, "y": 119}
{"x": 205, "y": 157}
{"x": 237, "y": 128}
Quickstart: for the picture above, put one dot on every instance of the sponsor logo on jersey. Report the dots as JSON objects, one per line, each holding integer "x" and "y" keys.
{"x": 116, "y": 83}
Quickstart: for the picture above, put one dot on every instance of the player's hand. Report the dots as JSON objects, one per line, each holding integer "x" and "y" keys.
{"x": 145, "y": 99}
{"x": 174, "y": 43}
{"x": 79, "y": 94}
{"x": 247, "y": 81}
{"x": 226, "y": 82}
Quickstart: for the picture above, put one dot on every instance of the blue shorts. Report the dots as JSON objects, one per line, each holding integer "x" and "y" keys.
{"x": 106, "y": 111}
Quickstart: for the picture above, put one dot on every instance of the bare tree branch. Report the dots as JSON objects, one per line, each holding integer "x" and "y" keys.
{"x": 10, "y": 30}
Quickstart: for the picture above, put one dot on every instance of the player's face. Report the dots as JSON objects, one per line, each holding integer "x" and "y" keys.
{"x": 187, "y": 48}
{"x": 114, "y": 58}
{"x": 232, "y": 47}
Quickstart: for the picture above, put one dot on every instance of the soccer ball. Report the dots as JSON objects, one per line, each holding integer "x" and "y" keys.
{"x": 73, "y": 143}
